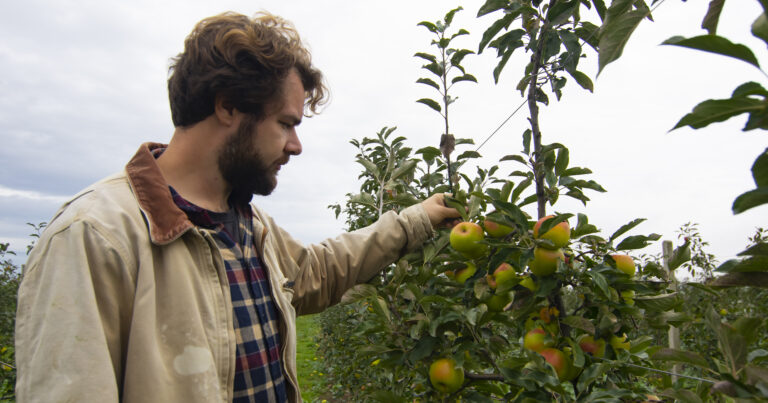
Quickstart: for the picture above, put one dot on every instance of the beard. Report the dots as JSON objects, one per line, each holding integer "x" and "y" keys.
{"x": 243, "y": 167}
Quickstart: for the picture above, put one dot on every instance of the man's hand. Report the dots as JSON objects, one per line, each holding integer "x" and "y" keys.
{"x": 438, "y": 212}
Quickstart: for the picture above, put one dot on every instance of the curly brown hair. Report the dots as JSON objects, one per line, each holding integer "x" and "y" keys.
{"x": 244, "y": 60}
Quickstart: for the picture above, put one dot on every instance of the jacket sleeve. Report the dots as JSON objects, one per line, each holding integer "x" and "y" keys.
{"x": 323, "y": 272}
{"x": 73, "y": 307}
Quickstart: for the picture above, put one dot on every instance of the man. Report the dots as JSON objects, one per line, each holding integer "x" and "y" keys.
{"x": 162, "y": 283}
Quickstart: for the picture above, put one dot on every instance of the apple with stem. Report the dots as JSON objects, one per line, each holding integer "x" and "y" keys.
{"x": 537, "y": 339}
{"x": 559, "y": 361}
{"x": 589, "y": 345}
{"x": 444, "y": 375}
{"x": 466, "y": 237}
{"x": 625, "y": 264}
{"x": 497, "y": 230}
{"x": 559, "y": 235}
{"x": 461, "y": 275}
{"x": 544, "y": 261}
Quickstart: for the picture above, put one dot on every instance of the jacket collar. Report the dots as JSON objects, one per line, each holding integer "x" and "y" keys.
{"x": 165, "y": 220}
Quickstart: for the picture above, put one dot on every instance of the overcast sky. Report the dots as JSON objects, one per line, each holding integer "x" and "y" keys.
{"x": 83, "y": 83}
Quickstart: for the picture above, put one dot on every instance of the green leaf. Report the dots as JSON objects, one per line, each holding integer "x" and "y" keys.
{"x": 406, "y": 168}
{"x": 760, "y": 28}
{"x": 562, "y": 161}
{"x": 718, "y": 110}
{"x": 435, "y": 68}
{"x": 715, "y": 44}
{"x": 493, "y": 30}
{"x": 428, "y": 82}
{"x": 637, "y": 241}
{"x": 750, "y": 199}
{"x": 680, "y": 255}
{"x": 370, "y": 167}
{"x": 514, "y": 157}
{"x": 674, "y": 355}
{"x": 749, "y": 88}
{"x": 491, "y": 6}
{"x": 615, "y": 34}
{"x": 582, "y": 79}
{"x": 583, "y": 227}
{"x": 577, "y": 171}
{"x": 527, "y": 142}
{"x": 657, "y": 303}
{"x": 587, "y": 32}
{"x": 681, "y": 395}
{"x": 760, "y": 249}
{"x": 578, "y": 322}
{"x": 760, "y": 169}
{"x": 562, "y": 11}
{"x": 465, "y": 77}
{"x": 468, "y": 154}
{"x": 459, "y": 55}
{"x": 600, "y": 8}
{"x": 359, "y": 292}
{"x": 750, "y": 264}
{"x": 430, "y": 103}
{"x": 449, "y": 15}
{"x": 428, "y": 25}
{"x": 749, "y": 279}
{"x": 520, "y": 188}
{"x": 426, "y": 56}
{"x": 713, "y": 16}
{"x": 429, "y": 153}
{"x": 601, "y": 283}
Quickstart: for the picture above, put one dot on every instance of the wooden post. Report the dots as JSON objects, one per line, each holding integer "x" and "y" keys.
{"x": 674, "y": 333}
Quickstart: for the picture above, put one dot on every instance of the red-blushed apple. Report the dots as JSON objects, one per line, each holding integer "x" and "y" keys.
{"x": 544, "y": 261}
{"x": 589, "y": 345}
{"x": 537, "y": 339}
{"x": 497, "y": 230}
{"x": 625, "y": 264}
{"x": 559, "y": 361}
{"x": 466, "y": 238}
{"x": 444, "y": 375}
{"x": 497, "y": 302}
{"x": 504, "y": 273}
{"x": 560, "y": 234}
{"x": 461, "y": 275}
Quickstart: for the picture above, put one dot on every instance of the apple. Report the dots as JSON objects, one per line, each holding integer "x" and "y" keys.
{"x": 589, "y": 345}
{"x": 497, "y": 302}
{"x": 620, "y": 342}
{"x": 559, "y": 234}
{"x": 461, "y": 275}
{"x": 544, "y": 261}
{"x": 723, "y": 312}
{"x": 559, "y": 361}
{"x": 444, "y": 375}
{"x": 625, "y": 264}
{"x": 629, "y": 297}
{"x": 465, "y": 237}
{"x": 504, "y": 274}
{"x": 528, "y": 283}
{"x": 497, "y": 230}
{"x": 537, "y": 339}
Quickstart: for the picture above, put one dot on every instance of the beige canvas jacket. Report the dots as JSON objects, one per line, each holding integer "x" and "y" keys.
{"x": 123, "y": 299}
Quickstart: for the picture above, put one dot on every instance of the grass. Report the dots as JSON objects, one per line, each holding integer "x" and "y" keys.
{"x": 309, "y": 371}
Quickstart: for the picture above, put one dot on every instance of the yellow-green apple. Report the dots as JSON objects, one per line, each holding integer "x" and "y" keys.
{"x": 589, "y": 345}
{"x": 544, "y": 261}
{"x": 504, "y": 274}
{"x": 559, "y": 234}
{"x": 537, "y": 339}
{"x": 444, "y": 375}
{"x": 559, "y": 361}
{"x": 620, "y": 342}
{"x": 497, "y": 302}
{"x": 461, "y": 275}
{"x": 625, "y": 264}
{"x": 528, "y": 283}
{"x": 723, "y": 312}
{"x": 629, "y": 297}
{"x": 497, "y": 230}
{"x": 466, "y": 238}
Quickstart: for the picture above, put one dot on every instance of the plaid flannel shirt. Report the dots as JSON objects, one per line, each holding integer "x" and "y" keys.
{"x": 258, "y": 373}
